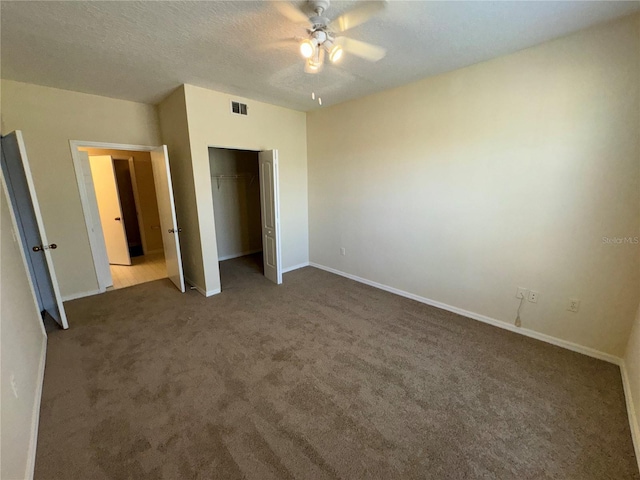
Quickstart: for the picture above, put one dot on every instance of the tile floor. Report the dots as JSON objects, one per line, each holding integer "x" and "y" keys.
{"x": 143, "y": 269}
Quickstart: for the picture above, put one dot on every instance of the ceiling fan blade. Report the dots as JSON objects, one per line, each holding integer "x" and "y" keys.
{"x": 358, "y": 15}
{"x": 365, "y": 50}
{"x": 282, "y": 43}
{"x": 289, "y": 11}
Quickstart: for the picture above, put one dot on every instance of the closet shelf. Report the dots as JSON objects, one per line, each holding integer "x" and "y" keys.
{"x": 234, "y": 177}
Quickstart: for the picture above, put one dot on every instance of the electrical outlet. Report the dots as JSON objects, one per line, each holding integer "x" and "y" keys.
{"x": 343, "y": 251}
{"x": 522, "y": 292}
{"x": 533, "y": 296}
{"x": 574, "y": 305}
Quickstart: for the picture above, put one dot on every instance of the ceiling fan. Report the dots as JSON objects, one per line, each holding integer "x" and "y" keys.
{"x": 322, "y": 40}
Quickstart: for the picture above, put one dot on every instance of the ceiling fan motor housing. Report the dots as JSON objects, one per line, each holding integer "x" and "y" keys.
{"x": 319, "y": 22}
{"x": 319, "y": 6}
{"x": 320, "y": 36}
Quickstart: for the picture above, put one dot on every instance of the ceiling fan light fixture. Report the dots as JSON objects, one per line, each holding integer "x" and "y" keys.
{"x": 315, "y": 64}
{"x": 307, "y": 48}
{"x": 311, "y": 66}
{"x": 335, "y": 53}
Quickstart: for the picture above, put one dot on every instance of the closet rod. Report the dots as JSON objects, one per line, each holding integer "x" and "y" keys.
{"x": 241, "y": 175}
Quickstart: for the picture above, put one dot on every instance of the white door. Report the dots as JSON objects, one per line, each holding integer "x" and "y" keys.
{"x": 92, "y": 216}
{"x": 270, "y": 204}
{"x": 167, "y": 211}
{"x": 16, "y": 174}
{"x": 106, "y": 189}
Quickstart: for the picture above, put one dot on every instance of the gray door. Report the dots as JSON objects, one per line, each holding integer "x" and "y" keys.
{"x": 15, "y": 170}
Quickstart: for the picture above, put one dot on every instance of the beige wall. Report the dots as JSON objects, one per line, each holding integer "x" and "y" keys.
{"x": 266, "y": 127}
{"x": 632, "y": 364}
{"x": 49, "y": 118}
{"x": 148, "y": 206}
{"x": 23, "y": 343}
{"x": 172, "y": 112}
{"x": 462, "y": 187}
{"x": 236, "y": 202}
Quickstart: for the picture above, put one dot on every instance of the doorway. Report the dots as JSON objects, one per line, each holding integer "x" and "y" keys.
{"x": 245, "y": 203}
{"x": 128, "y": 209}
{"x": 127, "y": 198}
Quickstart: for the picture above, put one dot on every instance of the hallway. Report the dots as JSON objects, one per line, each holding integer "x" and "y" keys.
{"x": 145, "y": 268}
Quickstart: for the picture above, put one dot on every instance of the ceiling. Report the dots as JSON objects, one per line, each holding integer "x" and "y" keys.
{"x": 141, "y": 51}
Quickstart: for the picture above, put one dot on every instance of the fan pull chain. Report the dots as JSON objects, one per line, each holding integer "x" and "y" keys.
{"x": 313, "y": 93}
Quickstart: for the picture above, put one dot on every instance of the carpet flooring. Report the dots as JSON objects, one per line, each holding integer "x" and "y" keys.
{"x": 319, "y": 378}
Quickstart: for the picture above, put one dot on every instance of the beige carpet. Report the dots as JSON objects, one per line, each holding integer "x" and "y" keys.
{"x": 320, "y": 378}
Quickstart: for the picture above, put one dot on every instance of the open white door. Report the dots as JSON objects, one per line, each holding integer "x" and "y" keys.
{"x": 106, "y": 191}
{"x": 270, "y": 205}
{"x": 16, "y": 174}
{"x": 167, "y": 211}
{"x": 92, "y": 218}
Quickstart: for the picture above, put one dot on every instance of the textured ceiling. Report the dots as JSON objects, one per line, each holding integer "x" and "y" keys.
{"x": 143, "y": 50}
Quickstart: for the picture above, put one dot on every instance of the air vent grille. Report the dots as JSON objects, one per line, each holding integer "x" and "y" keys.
{"x": 238, "y": 108}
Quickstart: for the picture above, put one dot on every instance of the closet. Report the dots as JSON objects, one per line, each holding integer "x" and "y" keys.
{"x": 235, "y": 185}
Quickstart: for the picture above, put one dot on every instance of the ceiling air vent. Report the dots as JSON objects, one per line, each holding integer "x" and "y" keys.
{"x": 238, "y": 108}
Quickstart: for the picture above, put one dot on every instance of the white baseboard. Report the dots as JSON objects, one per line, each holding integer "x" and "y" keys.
{"x": 236, "y": 255}
{"x": 200, "y": 290}
{"x": 591, "y": 352}
{"x": 35, "y": 422}
{"x": 75, "y": 296}
{"x": 633, "y": 420}
{"x": 295, "y": 267}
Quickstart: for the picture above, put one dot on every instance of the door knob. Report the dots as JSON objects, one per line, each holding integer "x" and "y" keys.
{"x": 37, "y": 248}
{"x": 174, "y": 230}
{"x": 117, "y": 218}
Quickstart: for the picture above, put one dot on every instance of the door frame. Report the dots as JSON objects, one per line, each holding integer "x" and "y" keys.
{"x": 96, "y": 239}
{"x": 276, "y": 194}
